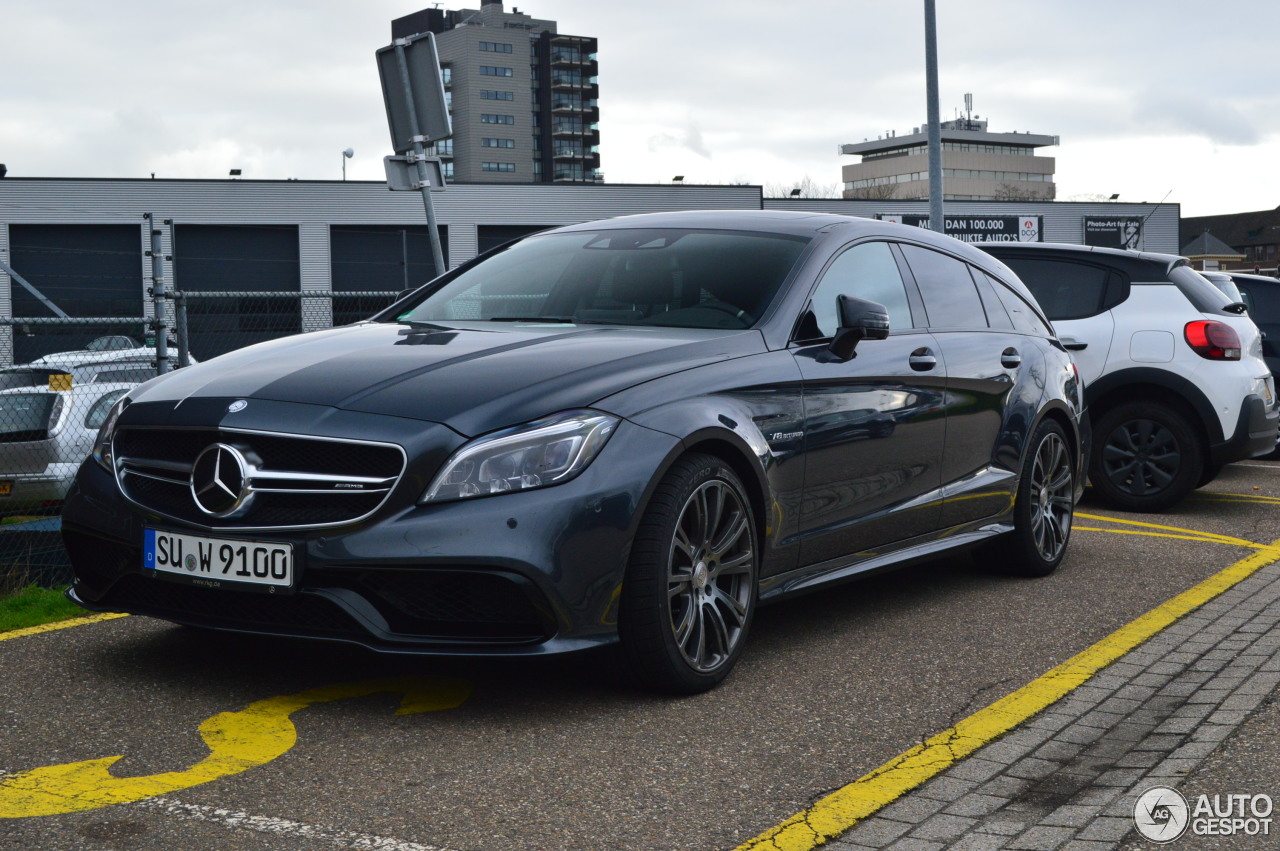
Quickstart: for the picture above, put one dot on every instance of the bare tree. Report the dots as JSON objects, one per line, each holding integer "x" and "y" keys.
{"x": 876, "y": 193}
{"x": 1011, "y": 192}
{"x": 807, "y": 186}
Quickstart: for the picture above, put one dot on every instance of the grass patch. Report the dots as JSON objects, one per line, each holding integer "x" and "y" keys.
{"x": 33, "y": 606}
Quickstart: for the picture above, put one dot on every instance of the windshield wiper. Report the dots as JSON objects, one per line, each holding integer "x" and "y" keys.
{"x": 423, "y": 325}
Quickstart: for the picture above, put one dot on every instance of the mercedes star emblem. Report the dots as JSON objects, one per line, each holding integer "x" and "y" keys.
{"x": 219, "y": 480}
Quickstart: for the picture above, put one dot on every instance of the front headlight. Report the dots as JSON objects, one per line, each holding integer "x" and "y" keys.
{"x": 102, "y": 443}
{"x": 534, "y": 455}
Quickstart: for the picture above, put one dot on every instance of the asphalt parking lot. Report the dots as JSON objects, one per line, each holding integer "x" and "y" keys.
{"x": 238, "y": 743}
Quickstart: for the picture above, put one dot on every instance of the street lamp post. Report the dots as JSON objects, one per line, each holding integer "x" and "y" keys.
{"x": 346, "y": 155}
{"x": 936, "y": 221}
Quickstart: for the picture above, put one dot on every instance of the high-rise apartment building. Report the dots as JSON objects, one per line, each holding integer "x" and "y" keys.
{"x": 524, "y": 98}
{"x": 977, "y": 165}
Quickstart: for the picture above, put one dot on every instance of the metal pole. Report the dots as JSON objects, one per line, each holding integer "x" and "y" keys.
{"x": 182, "y": 332}
{"x": 420, "y": 155}
{"x": 936, "y": 220}
{"x": 158, "y": 306}
{"x": 404, "y": 255}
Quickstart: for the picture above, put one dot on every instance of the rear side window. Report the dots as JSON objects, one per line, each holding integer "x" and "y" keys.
{"x": 997, "y": 316}
{"x": 1025, "y": 319}
{"x": 950, "y": 297}
{"x": 1263, "y": 299}
{"x": 1066, "y": 289}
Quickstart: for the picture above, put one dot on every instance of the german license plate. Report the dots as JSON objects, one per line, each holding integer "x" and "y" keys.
{"x": 218, "y": 562}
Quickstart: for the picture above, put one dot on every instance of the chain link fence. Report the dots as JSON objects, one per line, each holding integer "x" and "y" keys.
{"x": 59, "y": 378}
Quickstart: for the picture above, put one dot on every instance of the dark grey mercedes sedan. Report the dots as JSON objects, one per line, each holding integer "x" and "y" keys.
{"x": 632, "y": 431}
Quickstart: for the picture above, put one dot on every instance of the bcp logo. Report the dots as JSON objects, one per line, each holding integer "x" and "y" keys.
{"x": 1161, "y": 814}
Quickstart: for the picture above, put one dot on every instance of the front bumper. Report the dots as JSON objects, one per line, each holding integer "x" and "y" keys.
{"x": 526, "y": 573}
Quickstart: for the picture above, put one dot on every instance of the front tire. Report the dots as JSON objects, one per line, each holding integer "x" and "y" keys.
{"x": 1146, "y": 457}
{"x": 690, "y": 589}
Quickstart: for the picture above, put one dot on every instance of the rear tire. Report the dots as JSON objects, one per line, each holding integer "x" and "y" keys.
{"x": 689, "y": 594}
{"x": 1146, "y": 457}
{"x": 1043, "y": 508}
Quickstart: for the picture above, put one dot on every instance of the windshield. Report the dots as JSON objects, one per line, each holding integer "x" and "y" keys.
{"x": 111, "y": 344}
{"x": 1225, "y": 284}
{"x": 667, "y": 277}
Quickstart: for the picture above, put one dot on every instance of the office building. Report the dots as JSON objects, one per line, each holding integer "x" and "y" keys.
{"x": 977, "y": 165}
{"x": 524, "y": 97}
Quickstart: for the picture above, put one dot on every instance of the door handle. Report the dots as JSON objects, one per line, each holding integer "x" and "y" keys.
{"x": 1071, "y": 344}
{"x": 923, "y": 360}
{"x": 1010, "y": 359}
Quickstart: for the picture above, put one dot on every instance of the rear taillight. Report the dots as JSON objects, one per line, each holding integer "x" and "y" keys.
{"x": 1213, "y": 340}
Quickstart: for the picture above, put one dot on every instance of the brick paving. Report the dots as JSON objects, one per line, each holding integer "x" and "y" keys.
{"x": 1069, "y": 777}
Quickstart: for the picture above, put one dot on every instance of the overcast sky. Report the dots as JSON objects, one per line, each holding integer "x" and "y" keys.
{"x": 1148, "y": 96}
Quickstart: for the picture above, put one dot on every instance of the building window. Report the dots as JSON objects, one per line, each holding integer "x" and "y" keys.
{"x": 497, "y": 166}
{"x": 446, "y": 169}
{"x": 495, "y": 47}
{"x": 495, "y": 71}
{"x": 497, "y": 143}
{"x": 1027, "y": 176}
{"x": 446, "y": 74}
{"x": 490, "y": 118}
{"x": 490, "y": 94}
{"x": 443, "y": 148}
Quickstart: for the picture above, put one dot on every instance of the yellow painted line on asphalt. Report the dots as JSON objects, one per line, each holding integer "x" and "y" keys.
{"x": 844, "y": 808}
{"x": 1195, "y": 533}
{"x": 237, "y": 741}
{"x": 1215, "y": 496}
{"x": 1201, "y": 538}
{"x": 50, "y": 627}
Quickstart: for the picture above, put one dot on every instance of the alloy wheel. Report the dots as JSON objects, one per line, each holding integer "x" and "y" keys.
{"x": 1052, "y": 497}
{"x": 709, "y": 575}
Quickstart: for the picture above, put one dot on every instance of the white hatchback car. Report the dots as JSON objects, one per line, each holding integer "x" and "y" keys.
{"x": 114, "y": 347}
{"x": 1174, "y": 377}
{"x": 45, "y": 433}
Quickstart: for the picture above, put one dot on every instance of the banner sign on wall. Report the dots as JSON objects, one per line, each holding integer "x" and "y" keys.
{"x": 979, "y": 228}
{"x": 1113, "y": 231}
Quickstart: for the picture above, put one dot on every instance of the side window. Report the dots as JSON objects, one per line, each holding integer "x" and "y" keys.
{"x": 950, "y": 297}
{"x": 1025, "y": 318}
{"x": 866, "y": 271}
{"x": 1265, "y": 297}
{"x": 1064, "y": 289}
{"x": 98, "y": 413}
{"x": 997, "y": 316}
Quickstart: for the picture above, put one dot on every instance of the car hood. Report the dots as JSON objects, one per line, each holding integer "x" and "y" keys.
{"x": 472, "y": 377}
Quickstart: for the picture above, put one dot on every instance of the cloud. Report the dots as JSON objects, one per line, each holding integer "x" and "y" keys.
{"x": 1211, "y": 116}
{"x": 689, "y": 139}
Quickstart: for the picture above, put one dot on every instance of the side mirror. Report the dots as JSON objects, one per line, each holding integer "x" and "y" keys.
{"x": 859, "y": 320}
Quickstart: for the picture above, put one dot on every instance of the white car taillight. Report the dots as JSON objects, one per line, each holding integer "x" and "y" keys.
{"x": 1213, "y": 340}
